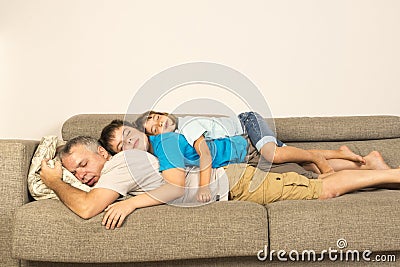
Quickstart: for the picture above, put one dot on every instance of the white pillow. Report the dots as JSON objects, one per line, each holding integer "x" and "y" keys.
{"x": 47, "y": 150}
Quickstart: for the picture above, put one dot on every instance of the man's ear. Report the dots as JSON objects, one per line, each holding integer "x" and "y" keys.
{"x": 103, "y": 152}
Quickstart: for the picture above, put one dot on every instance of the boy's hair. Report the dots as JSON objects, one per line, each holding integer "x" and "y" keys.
{"x": 142, "y": 119}
{"x": 108, "y": 133}
{"x": 89, "y": 142}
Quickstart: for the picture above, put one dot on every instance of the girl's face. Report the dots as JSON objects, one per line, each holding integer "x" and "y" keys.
{"x": 127, "y": 137}
{"x": 158, "y": 124}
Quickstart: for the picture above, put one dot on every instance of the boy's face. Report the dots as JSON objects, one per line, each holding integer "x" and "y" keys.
{"x": 158, "y": 124}
{"x": 127, "y": 137}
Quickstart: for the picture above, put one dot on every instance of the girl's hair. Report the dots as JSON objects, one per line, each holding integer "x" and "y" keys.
{"x": 108, "y": 133}
{"x": 142, "y": 119}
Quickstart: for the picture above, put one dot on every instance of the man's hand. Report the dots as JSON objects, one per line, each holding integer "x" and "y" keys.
{"x": 50, "y": 175}
{"x": 204, "y": 194}
{"x": 116, "y": 214}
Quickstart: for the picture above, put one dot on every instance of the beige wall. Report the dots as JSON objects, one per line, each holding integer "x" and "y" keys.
{"x": 309, "y": 58}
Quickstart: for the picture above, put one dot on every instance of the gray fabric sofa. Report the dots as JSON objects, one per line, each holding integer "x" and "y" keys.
{"x": 46, "y": 233}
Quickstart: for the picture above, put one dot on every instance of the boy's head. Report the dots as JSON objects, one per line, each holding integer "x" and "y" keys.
{"x": 121, "y": 135}
{"x": 153, "y": 123}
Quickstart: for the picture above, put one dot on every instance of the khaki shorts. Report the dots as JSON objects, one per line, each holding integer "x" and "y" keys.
{"x": 248, "y": 183}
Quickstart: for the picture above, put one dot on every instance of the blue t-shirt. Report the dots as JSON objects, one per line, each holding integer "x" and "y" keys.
{"x": 173, "y": 151}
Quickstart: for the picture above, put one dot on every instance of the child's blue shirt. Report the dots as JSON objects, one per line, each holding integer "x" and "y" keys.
{"x": 173, "y": 151}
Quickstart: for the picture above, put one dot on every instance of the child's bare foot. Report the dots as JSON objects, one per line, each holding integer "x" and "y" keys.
{"x": 346, "y": 153}
{"x": 375, "y": 161}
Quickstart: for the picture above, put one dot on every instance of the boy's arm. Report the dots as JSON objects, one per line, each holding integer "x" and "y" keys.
{"x": 200, "y": 145}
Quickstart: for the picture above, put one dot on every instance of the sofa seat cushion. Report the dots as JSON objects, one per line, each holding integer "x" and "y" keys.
{"x": 46, "y": 230}
{"x": 366, "y": 220}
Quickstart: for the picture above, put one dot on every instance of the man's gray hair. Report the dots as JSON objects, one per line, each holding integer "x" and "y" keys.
{"x": 89, "y": 142}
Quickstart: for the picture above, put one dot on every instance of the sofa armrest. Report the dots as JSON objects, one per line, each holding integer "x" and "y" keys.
{"x": 15, "y": 157}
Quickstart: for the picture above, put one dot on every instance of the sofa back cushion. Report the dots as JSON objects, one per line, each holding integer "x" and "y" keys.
{"x": 301, "y": 129}
{"x": 361, "y": 133}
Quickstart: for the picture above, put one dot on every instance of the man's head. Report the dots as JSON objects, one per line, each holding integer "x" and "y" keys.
{"x": 153, "y": 123}
{"x": 84, "y": 157}
{"x": 120, "y": 135}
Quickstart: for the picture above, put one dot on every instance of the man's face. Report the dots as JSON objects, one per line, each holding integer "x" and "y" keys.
{"x": 127, "y": 137}
{"x": 86, "y": 165}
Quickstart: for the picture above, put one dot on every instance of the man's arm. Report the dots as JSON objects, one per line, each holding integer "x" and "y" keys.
{"x": 117, "y": 212}
{"x": 84, "y": 204}
{"x": 171, "y": 190}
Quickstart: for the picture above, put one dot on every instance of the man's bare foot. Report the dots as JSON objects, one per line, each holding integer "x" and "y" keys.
{"x": 346, "y": 153}
{"x": 375, "y": 161}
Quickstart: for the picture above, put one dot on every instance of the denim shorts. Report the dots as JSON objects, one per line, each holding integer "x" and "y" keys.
{"x": 258, "y": 130}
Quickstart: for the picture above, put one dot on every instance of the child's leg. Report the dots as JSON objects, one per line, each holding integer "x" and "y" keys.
{"x": 342, "y": 153}
{"x": 312, "y": 167}
{"x": 373, "y": 161}
{"x": 294, "y": 154}
{"x": 342, "y": 182}
{"x": 258, "y": 130}
{"x": 264, "y": 140}
{"x": 273, "y": 150}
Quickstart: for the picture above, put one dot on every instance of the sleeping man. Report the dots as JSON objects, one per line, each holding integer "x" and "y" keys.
{"x": 135, "y": 172}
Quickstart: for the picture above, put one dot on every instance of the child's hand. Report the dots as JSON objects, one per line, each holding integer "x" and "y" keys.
{"x": 204, "y": 194}
{"x": 116, "y": 214}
